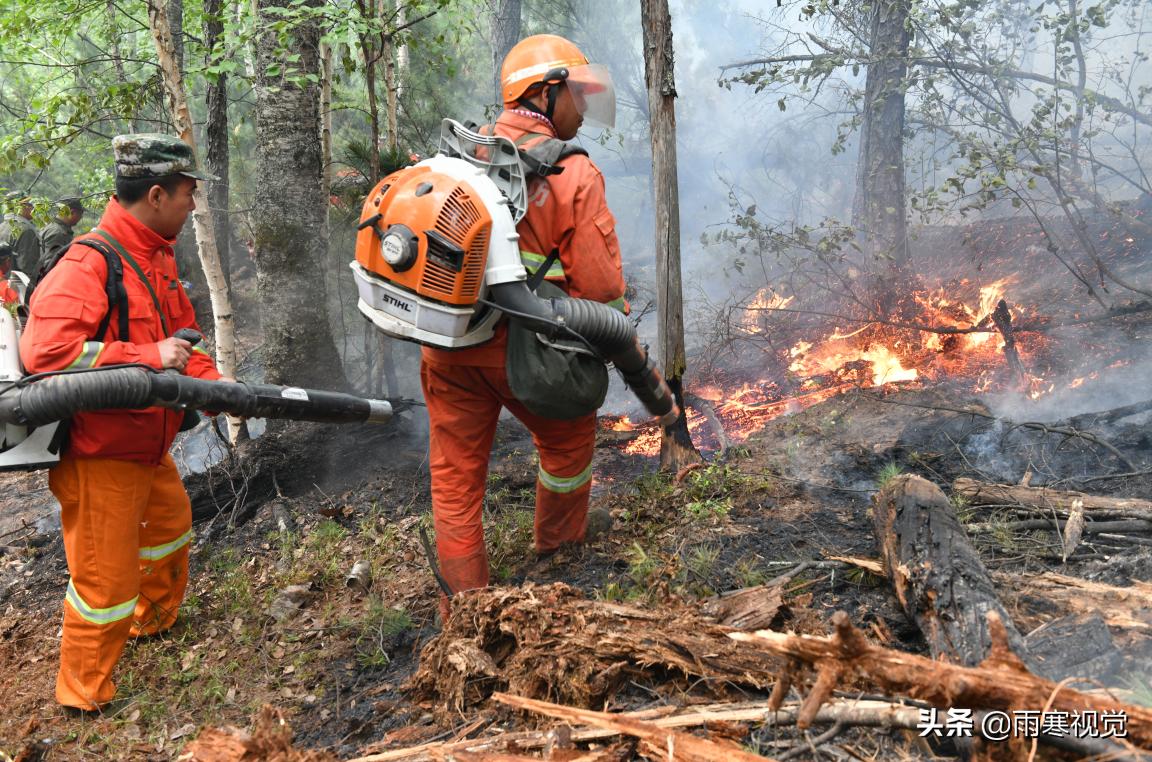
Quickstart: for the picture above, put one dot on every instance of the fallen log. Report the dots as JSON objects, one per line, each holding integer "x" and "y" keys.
{"x": 1060, "y": 501}
{"x": 1001, "y": 682}
{"x": 937, "y": 575}
{"x": 549, "y": 641}
{"x": 1089, "y": 527}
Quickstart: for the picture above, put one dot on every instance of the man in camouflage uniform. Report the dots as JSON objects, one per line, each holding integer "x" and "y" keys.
{"x": 57, "y": 235}
{"x": 18, "y": 232}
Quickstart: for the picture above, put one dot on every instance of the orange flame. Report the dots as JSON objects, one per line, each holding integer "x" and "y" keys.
{"x": 877, "y": 354}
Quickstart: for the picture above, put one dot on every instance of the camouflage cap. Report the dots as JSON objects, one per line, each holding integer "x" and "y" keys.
{"x": 154, "y": 155}
{"x": 75, "y": 203}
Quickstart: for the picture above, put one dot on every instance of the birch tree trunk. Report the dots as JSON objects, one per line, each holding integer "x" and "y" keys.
{"x": 289, "y": 218}
{"x": 224, "y": 324}
{"x": 505, "y": 34}
{"x": 880, "y": 200}
{"x": 326, "y": 121}
{"x": 676, "y": 448}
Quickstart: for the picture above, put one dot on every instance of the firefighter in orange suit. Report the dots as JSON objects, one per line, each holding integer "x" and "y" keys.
{"x": 127, "y": 520}
{"x": 549, "y": 89}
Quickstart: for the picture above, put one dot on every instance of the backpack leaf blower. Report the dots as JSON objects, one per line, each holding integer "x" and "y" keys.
{"x": 438, "y": 263}
{"x": 31, "y": 407}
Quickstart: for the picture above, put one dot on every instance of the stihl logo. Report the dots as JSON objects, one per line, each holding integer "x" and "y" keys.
{"x": 389, "y": 299}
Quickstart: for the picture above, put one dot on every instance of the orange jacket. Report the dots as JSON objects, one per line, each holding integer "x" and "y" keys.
{"x": 567, "y": 212}
{"x": 67, "y": 307}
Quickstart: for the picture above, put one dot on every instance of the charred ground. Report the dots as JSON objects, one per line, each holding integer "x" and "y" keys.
{"x": 270, "y": 618}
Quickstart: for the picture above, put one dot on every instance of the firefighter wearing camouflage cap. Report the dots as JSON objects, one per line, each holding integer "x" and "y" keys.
{"x": 152, "y": 154}
{"x": 126, "y": 518}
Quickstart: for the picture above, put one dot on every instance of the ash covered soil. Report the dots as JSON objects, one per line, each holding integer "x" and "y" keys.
{"x": 272, "y": 620}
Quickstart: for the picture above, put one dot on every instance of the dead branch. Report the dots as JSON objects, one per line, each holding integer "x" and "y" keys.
{"x": 714, "y": 423}
{"x": 1000, "y": 682}
{"x": 937, "y": 575}
{"x": 1123, "y": 607}
{"x": 848, "y": 713}
{"x": 1033, "y": 425}
{"x": 1109, "y": 416}
{"x": 1049, "y": 500}
{"x": 1090, "y": 527}
{"x": 672, "y": 743}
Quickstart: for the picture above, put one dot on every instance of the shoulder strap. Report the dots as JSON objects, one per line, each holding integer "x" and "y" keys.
{"x": 540, "y": 273}
{"x": 139, "y": 271}
{"x": 542, "y": 158}
{"x": 113, "y": 289}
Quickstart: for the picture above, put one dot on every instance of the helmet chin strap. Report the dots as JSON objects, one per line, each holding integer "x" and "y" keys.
{"x": 549, "y": 114}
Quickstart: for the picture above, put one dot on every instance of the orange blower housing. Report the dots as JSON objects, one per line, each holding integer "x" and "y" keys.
{"x": 436, "y": 237}
{"x": 430, "y": 236}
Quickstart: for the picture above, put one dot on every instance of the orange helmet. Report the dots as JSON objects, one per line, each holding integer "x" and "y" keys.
{"x": 550, "y": 59}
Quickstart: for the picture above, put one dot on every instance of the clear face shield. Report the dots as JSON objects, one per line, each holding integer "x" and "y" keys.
{"x": 593, "y": 94}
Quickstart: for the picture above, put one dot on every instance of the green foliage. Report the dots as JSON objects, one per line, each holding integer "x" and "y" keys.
{"x": 376, "y": 628}
{"x": 886, "y": 474}
{"x": 509, "y": 530}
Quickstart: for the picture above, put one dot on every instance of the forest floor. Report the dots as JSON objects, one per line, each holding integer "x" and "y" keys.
{"x": 271, "y": 619}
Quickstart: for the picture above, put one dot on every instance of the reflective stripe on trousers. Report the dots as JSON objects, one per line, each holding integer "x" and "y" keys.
{"x": 564, "y": 484}
{"x": 99, "y": 616}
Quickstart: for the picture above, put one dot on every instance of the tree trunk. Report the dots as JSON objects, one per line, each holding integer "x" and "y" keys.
{"x": 879, "y": 211}
{"x": 326, "y": 122}
{"x": 676, "y": 449}
{"x": 391, "y": 87}
{"x": 505, "y": 34}
{"x": 216, "y": 158}
{"x": 201, "y": 218}
{"x": 937, "y": 575}
{"x": 367, "y": 10}
{"x": 176, "y": 26}
{"x": 289, "y": 227}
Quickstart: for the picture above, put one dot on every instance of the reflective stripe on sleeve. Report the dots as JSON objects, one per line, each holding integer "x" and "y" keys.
{"x": 565, "y": 484}
{"x": 533, "y": 261}
{"x": 89, "y": 354}
{"x": 201, "y": 350}
{"x": 156, "y": 552}
{"x": 99, "y": 616}
{"x": 617, "y": 304}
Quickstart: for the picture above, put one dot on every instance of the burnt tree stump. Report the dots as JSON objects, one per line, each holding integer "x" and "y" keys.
{"x": 937, "y": 575}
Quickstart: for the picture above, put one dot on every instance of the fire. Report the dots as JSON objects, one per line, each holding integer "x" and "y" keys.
{"x": 950, "y": 337}
{"x": 833, "y": 356}
{"x": 624, "y": 424}
{"x": 765, "y": 301}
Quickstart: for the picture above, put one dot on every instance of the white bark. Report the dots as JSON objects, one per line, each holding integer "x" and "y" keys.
{"x": 225, "y": 327}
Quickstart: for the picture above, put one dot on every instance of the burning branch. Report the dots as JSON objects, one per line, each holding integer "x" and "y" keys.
{"x": 1002, "y": 318}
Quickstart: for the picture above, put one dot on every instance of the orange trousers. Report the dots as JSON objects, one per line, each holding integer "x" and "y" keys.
{"x": 463, "y": 407}
{"x": 127, "y": 528}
